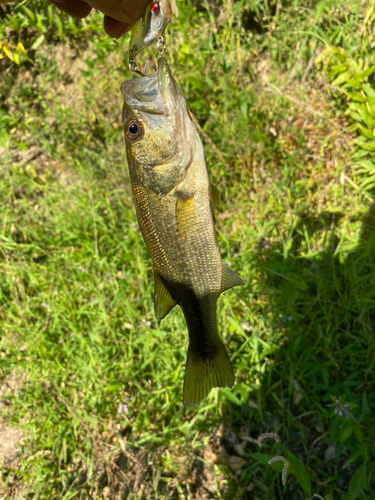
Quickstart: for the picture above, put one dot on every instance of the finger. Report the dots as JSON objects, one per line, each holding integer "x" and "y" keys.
{"x": 126, "y": 11}
{"x": 75, "y": 8}
{"x": 134, "y": 8}
{"x": 114, "y": 28}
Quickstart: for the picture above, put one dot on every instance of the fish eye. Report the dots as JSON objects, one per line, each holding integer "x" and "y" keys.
{"x": 155, "y": 7}
{"x": 134, "y": 129}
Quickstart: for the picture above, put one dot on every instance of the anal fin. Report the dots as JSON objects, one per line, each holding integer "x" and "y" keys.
{"x": 163, "y": 301}
{"x": 229, "y": 278}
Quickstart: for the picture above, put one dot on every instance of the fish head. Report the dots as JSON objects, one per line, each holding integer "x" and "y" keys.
{"x": 150, "y": 27}
{"x": 159, "y": 134}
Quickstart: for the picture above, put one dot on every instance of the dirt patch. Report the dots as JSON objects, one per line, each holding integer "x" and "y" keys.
{"x": 124, "y": 470}
{"x": 10, "y": 438}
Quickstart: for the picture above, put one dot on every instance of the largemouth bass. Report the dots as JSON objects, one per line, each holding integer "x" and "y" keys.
{"x": 172, "y": 195}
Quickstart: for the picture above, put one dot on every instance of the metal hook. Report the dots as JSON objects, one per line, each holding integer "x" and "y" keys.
{"x": 145, "y": 70}
{"x": 134, "y": 68}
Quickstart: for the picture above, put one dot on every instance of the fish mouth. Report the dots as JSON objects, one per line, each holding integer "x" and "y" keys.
{"x": 151, "y": 94}
{"x": 142, "y": 94}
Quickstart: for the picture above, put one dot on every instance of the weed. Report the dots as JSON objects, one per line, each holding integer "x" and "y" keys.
{"x": 99, "y": 398}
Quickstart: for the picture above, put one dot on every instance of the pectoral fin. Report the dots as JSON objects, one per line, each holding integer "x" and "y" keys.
{"x": 163, "y": 301}
{"x": 186, "y": 214}
{"x": 229, "y": 278}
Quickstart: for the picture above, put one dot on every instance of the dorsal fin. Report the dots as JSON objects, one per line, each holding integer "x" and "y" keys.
{"x": 216, "y": 198}
{"x": 229, "y": 278}
{"x": 163, "y": 301}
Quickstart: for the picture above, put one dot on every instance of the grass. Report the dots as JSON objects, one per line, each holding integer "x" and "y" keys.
{"x": 99, "y": 380}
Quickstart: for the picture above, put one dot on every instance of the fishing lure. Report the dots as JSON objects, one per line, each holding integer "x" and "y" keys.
{"x": 150, "y": 29}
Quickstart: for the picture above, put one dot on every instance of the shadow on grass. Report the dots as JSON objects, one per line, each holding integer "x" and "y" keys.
{"x": 318, "y": 392}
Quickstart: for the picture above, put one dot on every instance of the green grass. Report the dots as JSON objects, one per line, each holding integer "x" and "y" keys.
{"x": 100, "y": 381}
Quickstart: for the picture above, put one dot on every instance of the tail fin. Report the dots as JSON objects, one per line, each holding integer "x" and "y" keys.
{"x": 203, "y": 373}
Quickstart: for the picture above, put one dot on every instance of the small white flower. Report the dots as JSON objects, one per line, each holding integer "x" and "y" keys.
{"x": 122, "y": 409}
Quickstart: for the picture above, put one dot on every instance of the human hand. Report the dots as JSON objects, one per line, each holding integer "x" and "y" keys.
{"x": 119, "y": 15}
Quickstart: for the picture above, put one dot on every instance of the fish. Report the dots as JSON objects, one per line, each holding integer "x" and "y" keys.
{"x": 173, "y": 201}
{"x": 151, "y": 26}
